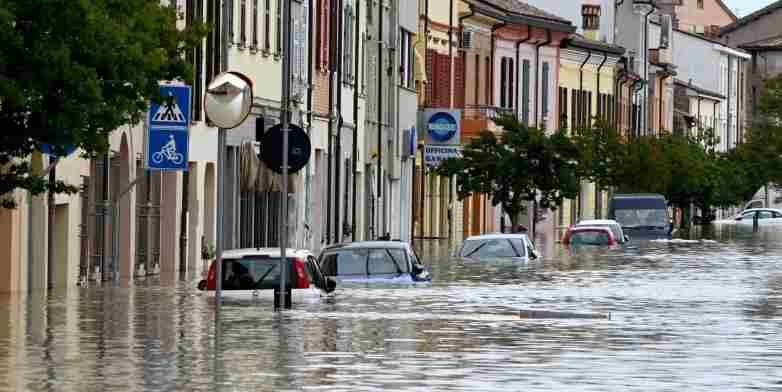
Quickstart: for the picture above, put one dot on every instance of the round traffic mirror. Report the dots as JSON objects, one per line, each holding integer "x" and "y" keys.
{"x": 228, "y": 99}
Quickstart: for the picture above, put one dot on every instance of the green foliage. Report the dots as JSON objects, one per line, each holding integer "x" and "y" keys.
{"x": 72, "y": 71}
{"x": 522, "y": 165}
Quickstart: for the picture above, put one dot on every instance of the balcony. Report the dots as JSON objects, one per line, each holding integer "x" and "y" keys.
{"x": 478, "y": 118}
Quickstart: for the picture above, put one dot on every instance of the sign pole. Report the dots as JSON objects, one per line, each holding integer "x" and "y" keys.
{"x": 221, "y": 142}
{"x": 284, "y": 112}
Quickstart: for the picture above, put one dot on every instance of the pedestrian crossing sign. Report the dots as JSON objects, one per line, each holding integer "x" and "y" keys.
{"x": 167, "y": 140}
{"x": 174, "y": 110}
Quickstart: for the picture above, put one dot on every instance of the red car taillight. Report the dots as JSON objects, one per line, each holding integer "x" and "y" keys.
{"x": 211, "y": 281}
{"x": 302, "y": 280}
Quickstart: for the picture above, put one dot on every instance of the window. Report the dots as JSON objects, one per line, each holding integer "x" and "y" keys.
{"x": 488, "y": 249}
{"x": 407, "y": 59}
{"x": 255, "y": 24}
{"x": 765, "y": 215}
{"x": 243, "y": 24}
{"x": 267, "y": 26}
{"x": 700, "y": 4}
{"x": 477, "y": 80}
{"x": 489, "y": 98}
{"x": 349, "y": 45}
{"x": 544, "y": 99}
{"x": 521, "y": 248}
{"x": 345, "y": 262}
{"x": 525, "y": 71}
{"x": 252, "y": 273}
{"x": 563, "y": 106}
{"x": 506, "y": 82}
{"x": 278, "y": 30}
{"x": 387, "y": 262}
{"x": 590, "y": 17}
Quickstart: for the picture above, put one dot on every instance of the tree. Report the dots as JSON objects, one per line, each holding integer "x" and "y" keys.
{"x": 523, "y": 165}
{"x": 72, "y": 71}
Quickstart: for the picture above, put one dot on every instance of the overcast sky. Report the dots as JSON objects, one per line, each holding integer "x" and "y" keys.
{"x": 744, "y": 7}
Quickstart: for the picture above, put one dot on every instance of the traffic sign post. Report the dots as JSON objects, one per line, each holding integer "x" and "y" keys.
{"x": 168, "y": 134}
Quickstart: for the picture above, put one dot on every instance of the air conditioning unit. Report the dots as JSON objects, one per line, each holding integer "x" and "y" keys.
{"x": 466, "y": 41}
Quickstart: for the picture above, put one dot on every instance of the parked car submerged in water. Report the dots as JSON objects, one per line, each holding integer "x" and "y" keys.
{"x": 764, "y": 216}
{"x": 616, "y": 228}
{"x": 589, "y": 236}
{"x": 373, "y": 261}
{"x": 498, "y": 246}
{"x": 255, "y": 270}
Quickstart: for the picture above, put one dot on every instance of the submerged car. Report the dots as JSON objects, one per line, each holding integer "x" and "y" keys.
{"x": 390, "y": 261}
{"x": 498, "y": 246}
{"x": 763, "y": 215}
{"x": 615, "y": 227}
{"x": 589, "y": 236}
{"x": 258, "y": 269}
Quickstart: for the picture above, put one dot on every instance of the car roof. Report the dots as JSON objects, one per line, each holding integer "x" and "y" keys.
{"x": 270, "y": 252}
{"x": 639, "y": 196}
{"x": 369, "y": 245}
{"x": 497, "y": 236}
{"x": 762, "y": 209}
{"x": 590, "y": 228}
{"x": 597, "y": 222}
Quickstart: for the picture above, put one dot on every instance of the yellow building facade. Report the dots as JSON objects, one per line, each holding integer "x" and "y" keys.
{"x": 587, "y": 93}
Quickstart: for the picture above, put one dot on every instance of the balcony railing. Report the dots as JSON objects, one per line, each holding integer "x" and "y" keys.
{"x": 485, "y": 112}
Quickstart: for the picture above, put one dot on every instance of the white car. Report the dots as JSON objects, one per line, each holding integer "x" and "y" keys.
{"x": 257, "y": 271}
{"x": 615, "y": 227}
{"x": 764, "y": 215}
{"x": 498, "y": 246}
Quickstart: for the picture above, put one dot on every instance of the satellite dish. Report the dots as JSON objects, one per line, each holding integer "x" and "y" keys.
{"x": 228, "y": 99}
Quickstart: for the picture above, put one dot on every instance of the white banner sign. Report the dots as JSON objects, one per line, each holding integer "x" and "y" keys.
{"x": 434, "y": 155}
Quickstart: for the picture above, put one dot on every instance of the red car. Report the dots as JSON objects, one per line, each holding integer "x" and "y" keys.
{"x": 591, "y": 236}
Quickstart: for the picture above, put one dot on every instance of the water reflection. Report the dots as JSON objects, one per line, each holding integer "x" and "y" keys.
{"x": 686, "y": 315}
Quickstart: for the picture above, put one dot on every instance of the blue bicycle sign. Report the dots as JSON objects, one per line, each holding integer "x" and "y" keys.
{"x": 168, "y": 136}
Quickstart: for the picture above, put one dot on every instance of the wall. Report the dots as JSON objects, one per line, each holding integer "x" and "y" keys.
{"x": 760, "y": 29}
{"x": 696, "y": 59}
{"x": 690, "y": 15}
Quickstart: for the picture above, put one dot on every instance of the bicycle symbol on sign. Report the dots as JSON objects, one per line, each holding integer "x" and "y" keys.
{"x": 168, "y": 152}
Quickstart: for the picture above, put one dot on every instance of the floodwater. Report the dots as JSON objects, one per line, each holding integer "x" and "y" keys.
{"x": 684, "y": 315}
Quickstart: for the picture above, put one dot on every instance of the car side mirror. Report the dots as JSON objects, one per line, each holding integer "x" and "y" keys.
{"x": 738, "y": 218}
{"x": 627, "y": 238}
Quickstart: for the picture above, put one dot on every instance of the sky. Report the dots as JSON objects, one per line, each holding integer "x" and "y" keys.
{"x": 744, "y": 7}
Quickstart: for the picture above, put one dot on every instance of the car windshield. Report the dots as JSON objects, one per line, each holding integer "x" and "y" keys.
{"x": 488, "y": 248}
{"x": 642, "y": 218}
{"x": 251, "y": 273}
{"x": 590, "y": 238}
{"x": 615, "y": 229}
{"x": 360, "y": 262}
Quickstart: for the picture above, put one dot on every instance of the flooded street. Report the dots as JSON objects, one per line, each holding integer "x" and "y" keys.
{"x": 684, "y": 315}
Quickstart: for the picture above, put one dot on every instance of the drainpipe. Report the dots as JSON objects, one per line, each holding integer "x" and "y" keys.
{"x": 518, "y": 69}
{"x": 450, "y": 54}
{"x": 664, "y": 76}
{"x": 494, "y": 28}
{"x": 645, "y": 76}
{"x": 714, "y": 120}
{"x": 538, "y": 112}
{"x": 356, "y": 70}
{"x": 581, "y": 87}
{"x": 380, "y": 72}
{"x": 600, "y": 69}
{"x": 329, "y": 146}
{"x": 340, "y": 122}
{"x": 727, "y": 112}
{"x": 739, "y": 94}
{"x": 310, "y": 37}
{"x": 618, "y": 88}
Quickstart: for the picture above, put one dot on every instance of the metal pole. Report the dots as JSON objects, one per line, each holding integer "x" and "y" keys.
{"x": 380, "y": 42}
{"x": 285, "y": 110}
{"x": 50, "y": 226}
{"x": 221, "y": 136}
{"x": 115, "y": 228}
